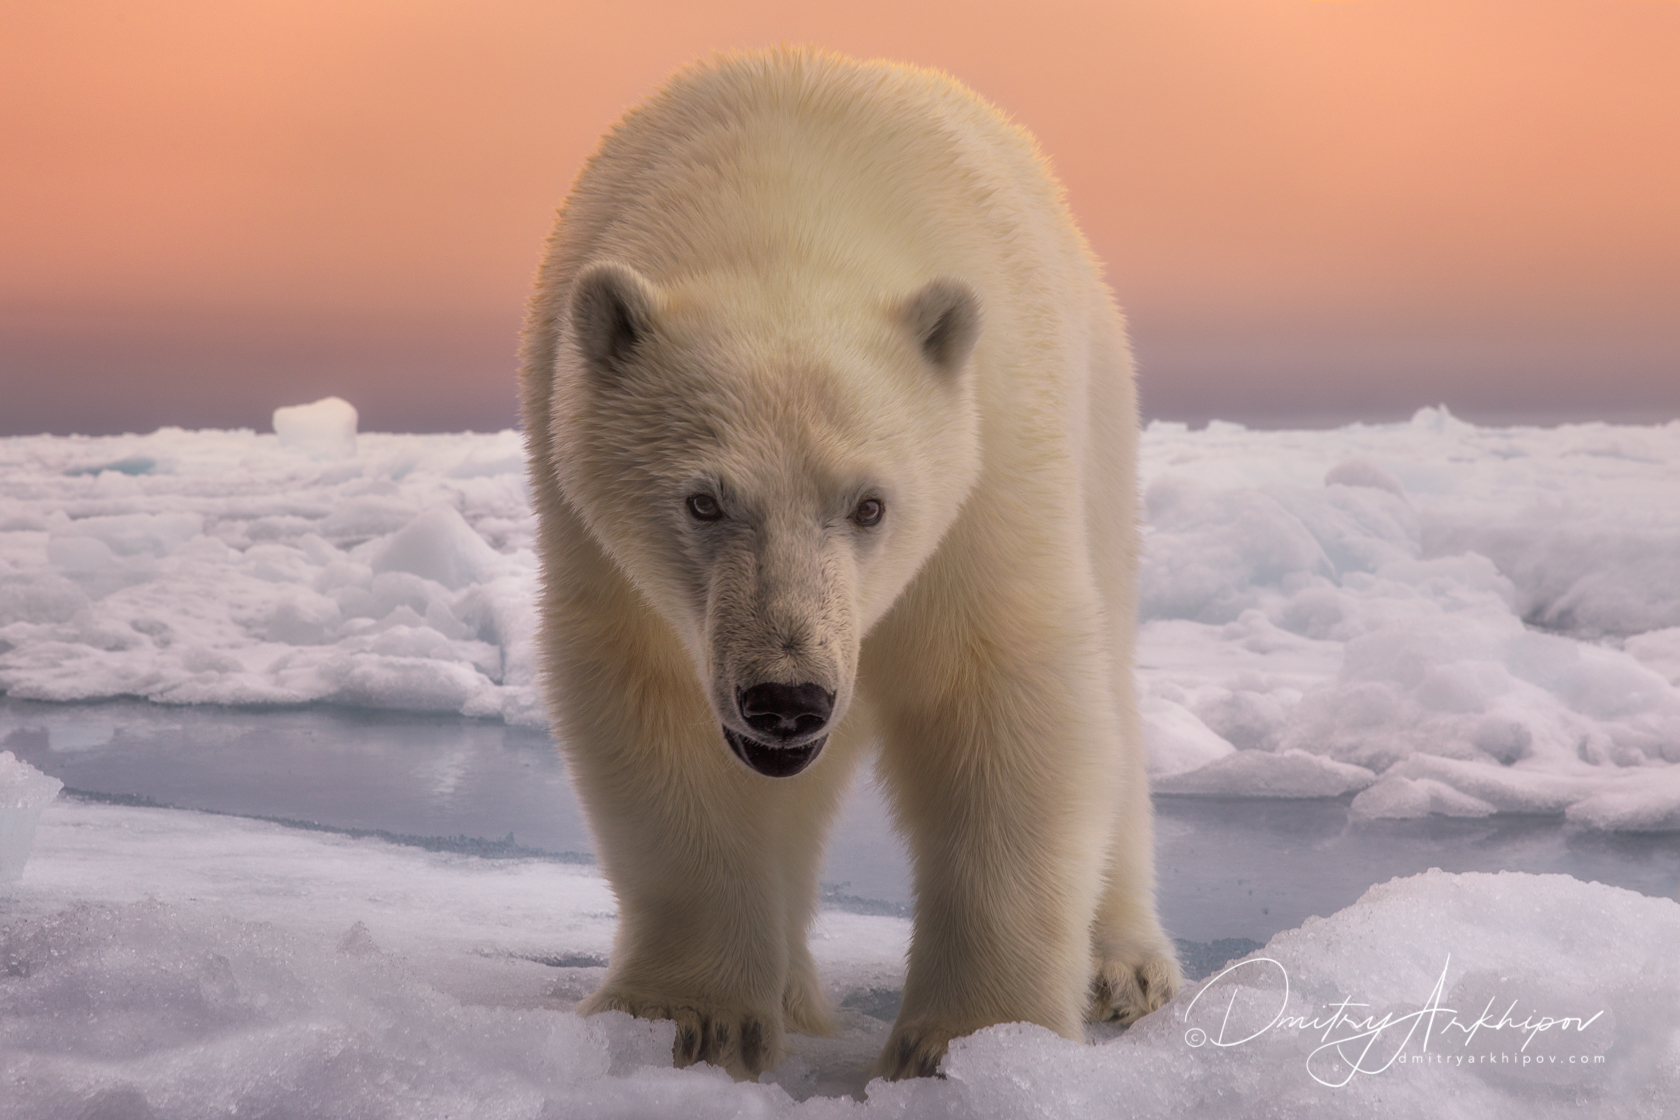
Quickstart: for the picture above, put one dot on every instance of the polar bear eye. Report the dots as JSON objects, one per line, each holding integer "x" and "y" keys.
{"x": 704, "y": 507}
{"x": 869, "y": 512}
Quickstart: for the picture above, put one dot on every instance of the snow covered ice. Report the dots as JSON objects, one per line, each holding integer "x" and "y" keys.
{"x": 231, "y": 568}
{"x": 1423, "y": 620}
{"x": 1438, "y": 617}
{"x": 172, "y": 964}
{"x": 1450, "y": 619}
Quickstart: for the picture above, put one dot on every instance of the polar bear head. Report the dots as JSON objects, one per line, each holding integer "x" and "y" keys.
{"x": 770, "y": 460}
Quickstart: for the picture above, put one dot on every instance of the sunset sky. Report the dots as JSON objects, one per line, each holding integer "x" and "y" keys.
{"x": 1312, "y": 211}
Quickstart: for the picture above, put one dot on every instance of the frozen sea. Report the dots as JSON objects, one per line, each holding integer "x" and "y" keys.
{"x": 317, "y": 855}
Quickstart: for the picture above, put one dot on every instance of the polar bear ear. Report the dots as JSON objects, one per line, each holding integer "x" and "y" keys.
{"x": 945, "y": 318}
{"x": 612, "y": 314}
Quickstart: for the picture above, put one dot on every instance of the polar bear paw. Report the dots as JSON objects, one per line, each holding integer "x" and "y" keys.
{"x": 804, "y": 1009}
{"x": 744, "y": 1042}
{"x": 1129, "y": 985}
{"x": 913, "y": 1051}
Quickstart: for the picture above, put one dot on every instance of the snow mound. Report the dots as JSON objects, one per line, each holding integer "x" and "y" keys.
{"x": 185, "y": 965}
{"x": 325, "y": 429}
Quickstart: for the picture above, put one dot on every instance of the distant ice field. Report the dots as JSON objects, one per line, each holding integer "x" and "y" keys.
{"x": 1435, "y": 618}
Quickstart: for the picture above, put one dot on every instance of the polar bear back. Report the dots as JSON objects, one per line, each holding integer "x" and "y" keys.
{"x": 887, "y": 164}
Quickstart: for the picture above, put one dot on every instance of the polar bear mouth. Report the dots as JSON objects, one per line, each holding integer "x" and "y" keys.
{"x": 773, "y": 762}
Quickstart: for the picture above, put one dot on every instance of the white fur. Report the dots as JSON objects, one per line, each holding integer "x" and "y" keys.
{"x": 735, "y": 300}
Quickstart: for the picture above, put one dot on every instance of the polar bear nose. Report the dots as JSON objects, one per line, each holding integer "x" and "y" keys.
{"x": 786, "y": 711}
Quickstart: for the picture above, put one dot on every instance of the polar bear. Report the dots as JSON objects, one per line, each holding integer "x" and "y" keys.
{"x": 832, "y": 434}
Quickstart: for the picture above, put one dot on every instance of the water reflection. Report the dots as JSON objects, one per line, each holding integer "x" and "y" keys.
{"x": 1228, "y": 868}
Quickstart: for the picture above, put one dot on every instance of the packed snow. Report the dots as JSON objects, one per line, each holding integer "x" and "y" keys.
{"x": 1434, "y": 617}
{"x": 166, "y": 963}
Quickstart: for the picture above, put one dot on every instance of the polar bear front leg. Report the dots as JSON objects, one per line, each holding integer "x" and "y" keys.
{"x": 1002, "y": 796}
{"x": 716, "y": 886}
{"x": 715, "y": 872}
{"x": 1137, "y": 969}
{"x": 688, "y": 838}
{"x": 701, "y": 934}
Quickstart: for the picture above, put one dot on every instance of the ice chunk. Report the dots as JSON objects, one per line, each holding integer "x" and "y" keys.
{"x": 24, "y": 792}
{"x": 1291, "y": 773}
{"x": 1509, "y": 789}
{"x": 1363, "y": 472}
{"x": 1439, "y": 421}
{"x": 1397, "y": 797}
{"x": 439, "y": 545}
{"x": 1177, "y": 741}
{"x": 1653, "y": 805}
{"x": 323, "y": 430}
{"x": 1249, "y": 718}
{"x": 24, "y": 787}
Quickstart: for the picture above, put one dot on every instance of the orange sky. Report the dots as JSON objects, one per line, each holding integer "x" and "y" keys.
{"x": 1313, "y": 211}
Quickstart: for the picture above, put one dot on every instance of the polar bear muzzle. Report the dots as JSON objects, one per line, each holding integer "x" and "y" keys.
{"x": 773, "y": 762}
{"x": 785, "y": 711}
{"x": 786, "y": 715}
